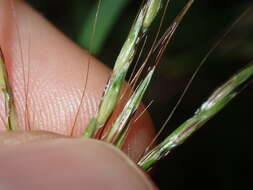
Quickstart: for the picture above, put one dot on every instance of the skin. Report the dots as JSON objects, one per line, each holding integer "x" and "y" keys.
{"x": 41, "y": 154}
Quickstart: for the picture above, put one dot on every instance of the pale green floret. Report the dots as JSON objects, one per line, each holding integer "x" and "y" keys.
{"x": 110, "y": 98}
{"x": 128, "y": 50}
{"x": 220, "y": 98}
{"x": 8, "y": 96}
{"x": 152, "y": 11}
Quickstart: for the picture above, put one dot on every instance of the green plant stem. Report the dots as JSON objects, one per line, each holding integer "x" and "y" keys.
{"x": 143, "y": 21}
{"x": 221, "y": 97}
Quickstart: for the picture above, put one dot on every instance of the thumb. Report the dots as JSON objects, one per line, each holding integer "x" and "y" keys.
{"x": 69, "y": 164}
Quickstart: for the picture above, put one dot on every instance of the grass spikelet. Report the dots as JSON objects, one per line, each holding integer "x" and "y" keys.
{"x": 220, "y": 98}
{"x": 117, "y": 130}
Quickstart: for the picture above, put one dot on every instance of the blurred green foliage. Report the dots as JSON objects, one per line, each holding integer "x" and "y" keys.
{"x": 220, "y": 159}
{"x": 109, "y": 10}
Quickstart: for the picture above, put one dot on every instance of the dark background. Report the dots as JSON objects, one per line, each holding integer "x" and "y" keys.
{"x": 218, "y": 156}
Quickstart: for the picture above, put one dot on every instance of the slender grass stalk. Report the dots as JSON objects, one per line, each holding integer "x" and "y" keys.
{"x": 8, "y": 96}
{"x": 143, "y": 21}
{"x": 220, "y": 98}
{"x": 117, "y": 132}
